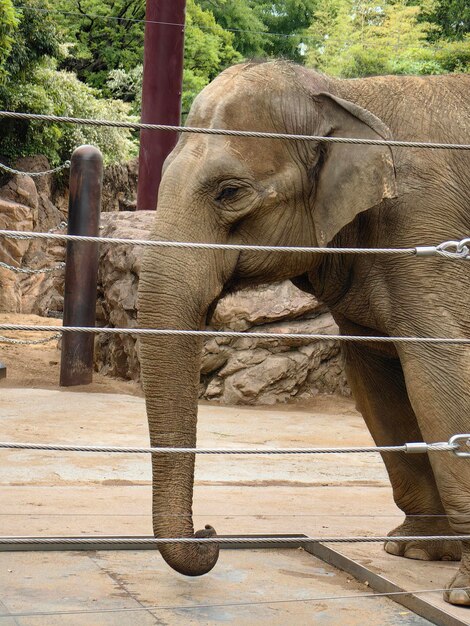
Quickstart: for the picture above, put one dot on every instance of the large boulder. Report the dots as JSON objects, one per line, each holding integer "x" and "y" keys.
{"x": 241, "y": 370}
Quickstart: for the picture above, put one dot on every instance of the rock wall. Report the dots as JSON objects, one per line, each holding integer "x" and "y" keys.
{"x": 242, "y": 370}
{"x": 234, "y": 371}
{"x": 41, "y": 204}
{"x": 25, "y": 204}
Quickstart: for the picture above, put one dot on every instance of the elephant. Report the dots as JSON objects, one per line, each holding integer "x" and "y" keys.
{"x": 239, "y": 190}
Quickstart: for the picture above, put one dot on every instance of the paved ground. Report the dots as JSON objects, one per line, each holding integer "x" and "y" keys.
{"x": 78, "y": 493}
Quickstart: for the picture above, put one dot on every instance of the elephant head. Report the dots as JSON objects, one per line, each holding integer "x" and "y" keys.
{"x": 221, "y": 189}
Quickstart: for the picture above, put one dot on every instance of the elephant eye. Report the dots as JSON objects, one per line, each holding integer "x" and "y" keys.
{"x": 227, "y": 193}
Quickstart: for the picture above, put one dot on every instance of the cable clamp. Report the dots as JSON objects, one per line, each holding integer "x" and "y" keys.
{"x": 416, "y": 448}
{"x": 457, "y": 441}
{"x": 426, "y": 250}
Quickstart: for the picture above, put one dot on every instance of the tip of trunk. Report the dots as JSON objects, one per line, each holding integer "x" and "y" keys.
{"x": 192, "y": 559}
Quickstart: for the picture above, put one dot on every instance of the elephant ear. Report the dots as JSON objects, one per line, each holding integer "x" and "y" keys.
{"x": 351, "y": 178}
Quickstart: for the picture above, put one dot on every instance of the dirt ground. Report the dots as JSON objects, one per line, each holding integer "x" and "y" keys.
{"x": 75, "y": 494}
{"x": 38, "y": 366}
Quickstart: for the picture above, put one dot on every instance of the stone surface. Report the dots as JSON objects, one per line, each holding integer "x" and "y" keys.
{"x": 13, "y": 216}
{"x": 41, "y": 204}
{"x": 234, "y": 370}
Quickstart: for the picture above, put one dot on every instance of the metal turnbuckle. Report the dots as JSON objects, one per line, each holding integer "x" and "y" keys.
{"x": 457, "y": 441}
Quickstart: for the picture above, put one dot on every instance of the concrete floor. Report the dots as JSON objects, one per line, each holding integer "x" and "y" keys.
{"x": 78, "y": 493}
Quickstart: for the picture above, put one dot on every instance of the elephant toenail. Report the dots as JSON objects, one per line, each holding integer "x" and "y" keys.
{"x": 457, "y": 596}
{"x": 392, "y": 547}
{"x": 417, "y": 554}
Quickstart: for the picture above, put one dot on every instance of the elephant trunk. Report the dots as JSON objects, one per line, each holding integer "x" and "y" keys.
{"x": 170, "y": 373}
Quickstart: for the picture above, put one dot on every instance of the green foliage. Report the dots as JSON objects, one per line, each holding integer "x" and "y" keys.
{"x": 367, "y": 37}
{"x": 208, "y": 47}
{"x": 287, "y": 19}
{"x": 264, "y": 28}
{"x": 241, "y": 18}
{"x": 452, "y": 17}
{"x": 103, "y": 35}
{"x": 53, "y": 92}
{"x": 84, "y": 57}
{"x": 35, "y": 37}
{"x": 33, "y": 84}
{"x": 8, "y": 26}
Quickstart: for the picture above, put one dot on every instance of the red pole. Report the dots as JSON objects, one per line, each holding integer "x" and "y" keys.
{"x": 161, "y": 92}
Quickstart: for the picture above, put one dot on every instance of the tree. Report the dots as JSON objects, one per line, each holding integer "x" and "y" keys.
{"x": 368, "y": 37}
{"x": 103, "y": 35}
{"x": 34, "y": 84}
{"x": 286, "y": 20}
{"x": 452, "y": 18}
{"x": 241, "y": 18}
{"x": 8, "y": 27}
{"x": 107, "y": 46}
{"x": 33, "y": 35}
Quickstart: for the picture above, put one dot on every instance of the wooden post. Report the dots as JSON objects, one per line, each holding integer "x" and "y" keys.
{"x": 161, "y": 92}
{"x": 81, "y": 271}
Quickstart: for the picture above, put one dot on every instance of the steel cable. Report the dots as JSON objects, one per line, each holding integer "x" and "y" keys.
{"x": 138, "y": 609}
{"x": 28, "y": 270}
{"x": 29, "y": 342}
{"x": 24, "y": 541}
{"x": 412, "y": 448}
{"x": 93, "y": 330}
{"x": 19, "y": 234}
{"x": 456, "y": 250}
{"x": 55, "y": 170}
{"x": 234, "y": 133}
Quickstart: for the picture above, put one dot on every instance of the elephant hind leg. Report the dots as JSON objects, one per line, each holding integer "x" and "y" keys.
{"x": 378, "y": 386}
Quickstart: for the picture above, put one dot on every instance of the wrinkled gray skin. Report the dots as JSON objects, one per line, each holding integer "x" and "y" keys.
{"x": 276, "y": 192}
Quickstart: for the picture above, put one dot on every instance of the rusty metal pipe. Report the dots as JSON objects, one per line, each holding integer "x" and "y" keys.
{"x": 81, "y": 271}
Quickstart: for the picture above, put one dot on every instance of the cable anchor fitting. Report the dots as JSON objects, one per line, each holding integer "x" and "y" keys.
{"x": 458, "y": 441}
{"x": 455, "y": 249}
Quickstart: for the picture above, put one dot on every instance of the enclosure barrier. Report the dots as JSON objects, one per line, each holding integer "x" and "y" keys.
{"x": 458, "y": 444}
{"x": 453, "y": 445}
{"x": 233, "y": 133}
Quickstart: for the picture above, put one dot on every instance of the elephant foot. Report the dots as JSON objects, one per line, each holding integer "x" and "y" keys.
{"x": 458, "y": 590}
{"x": 434, "y": 550}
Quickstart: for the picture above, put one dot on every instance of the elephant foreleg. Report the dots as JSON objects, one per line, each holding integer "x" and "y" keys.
{"x": 437, "y": 381}
{"x": 379, "y": 389}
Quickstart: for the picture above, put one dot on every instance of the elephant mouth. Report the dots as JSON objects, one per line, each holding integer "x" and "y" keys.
{"x": 232, "y": 286}
{"x": 211, "y": 309}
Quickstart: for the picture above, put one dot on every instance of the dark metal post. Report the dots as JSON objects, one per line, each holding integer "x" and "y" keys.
{"x": 161, "y": 92}
{"x": 81, "y": 271}
{"x": 3, "y": 370}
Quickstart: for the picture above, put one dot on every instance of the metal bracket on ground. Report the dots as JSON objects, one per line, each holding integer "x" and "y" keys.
{"x": 376, "y": 582}
{"x": 379, "y": 583}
